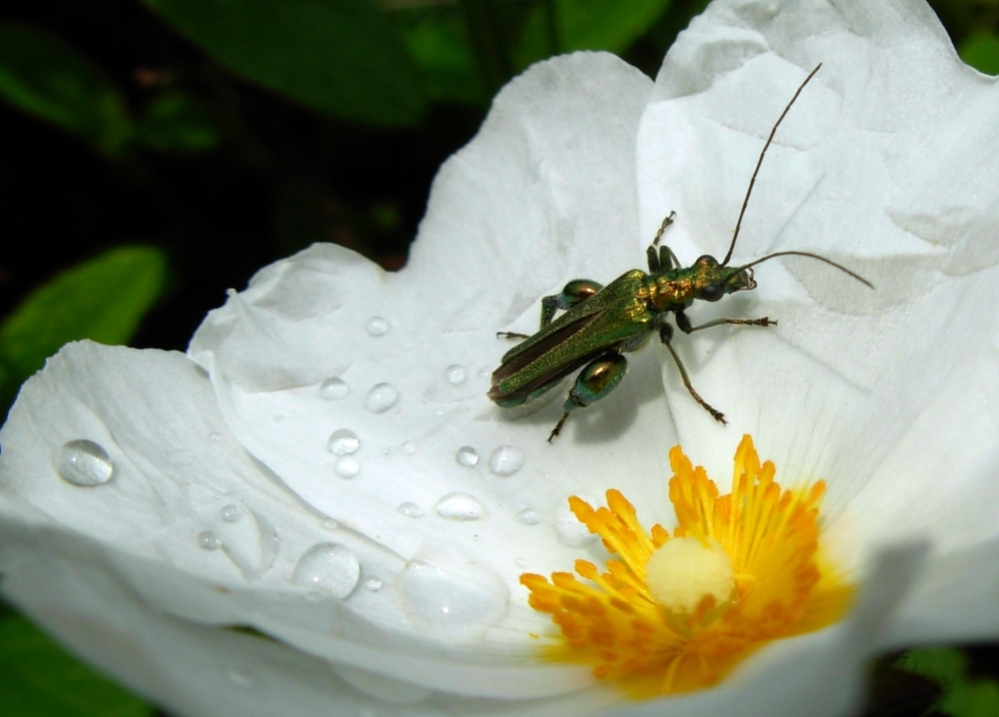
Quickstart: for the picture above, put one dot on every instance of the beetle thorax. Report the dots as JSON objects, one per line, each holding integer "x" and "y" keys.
{"x": 668, "y": 291}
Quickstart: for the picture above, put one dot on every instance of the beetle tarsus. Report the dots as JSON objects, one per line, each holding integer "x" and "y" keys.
{"x": 511, "y": 335}
{"x": 558, "y": 427}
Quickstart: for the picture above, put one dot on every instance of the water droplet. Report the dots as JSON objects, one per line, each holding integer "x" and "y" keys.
{"x": 343, "y": 442}
{"x": 83, "y": 463}
{"x": 506, "y": 460}
{"x": 467, "y": 456}
{"x": 239, "y": 678}
{"x": 215, "y": 437}
{"x": 329, "y": 524}
{"x": 381, "y": 397}
{"x": 209, "y": 540}
{"x": 373, "y": 584}
{"x": 409, "y": 448}
{"x": 333, "y": 389}
{"x": 347, "y": 467}
{"x": 528, "y": 517}
{"x": 573, "y": 533}
{"x": 459, "y": 506}
{"x": 328, "y": 567}
{"x": 230, "y": 513}
{"x": 410, "y": 510}
{"x": 521, "y": 563}
{"x": 377, "y": 326}
{"x": 452, "y": 597}
{"x": 456, "y": 374}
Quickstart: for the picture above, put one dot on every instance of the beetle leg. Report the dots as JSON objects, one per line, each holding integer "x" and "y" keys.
{"x": 685, "y": 326}
{"x": 665, "y": 260}
{"x": 575, "y": 292}
{"x": 666, "y": 335}
{"x": 596, "y": 380}
{"x": 511, "y": 335}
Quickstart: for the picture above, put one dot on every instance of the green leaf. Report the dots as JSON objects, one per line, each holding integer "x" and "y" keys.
{"x": 981, "y": 51}
{"x": 337, "y": 56}
{"x": 38, "y": 679}
{"x": 177, "y": 121}
{"x": 436, "y": 40}
{"x": 609, "y": 25}
{"x": 963, "y": 697}
{"x": 47, "y": 78}
{"x": 102, "y": 299}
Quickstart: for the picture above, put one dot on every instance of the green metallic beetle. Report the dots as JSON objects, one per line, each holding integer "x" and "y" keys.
{"x": 601, "y": 323}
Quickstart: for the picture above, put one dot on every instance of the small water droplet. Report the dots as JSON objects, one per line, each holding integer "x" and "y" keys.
{"x": 521, "y": 563}
{"x": 467, "y": 456}
{"x": 452, "y": 598}
{"x": 239, "y": 678}
{"x": 381, "y": 397}
{"x": 456, "y": 374}
{"x": 505, "y": 461}
{"x": 329, "y": 524}
{"x": 343, "y": 442}
{"x": 347, "y": 467}
{"x": 377, "y": 326}
{"x": 409, "y": 448}
{"x": 209, "y": 540}
{"x": 572, "y": 532}
{"x": 373, "y": 584}
{"x": 215, "y": 437}
{"x": 528, "y": 517}
{"x": 230, "y": 513}
{"x": 333, "y": 389}
{"x": 83, "y": 463}
{"x": 328, "y": 567}
{"x": 459, "y": 506}
{"x": 410, "y": 510}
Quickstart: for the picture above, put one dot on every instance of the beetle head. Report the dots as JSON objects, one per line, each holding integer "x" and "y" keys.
{"x": 712, "y": 280}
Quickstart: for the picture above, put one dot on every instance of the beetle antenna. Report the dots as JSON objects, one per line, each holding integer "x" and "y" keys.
{"x": 745, "y": 202}
{"x": 830, "y": 262}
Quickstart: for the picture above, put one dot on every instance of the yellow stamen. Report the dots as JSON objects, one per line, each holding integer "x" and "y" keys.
{"x": 677, "y": 613}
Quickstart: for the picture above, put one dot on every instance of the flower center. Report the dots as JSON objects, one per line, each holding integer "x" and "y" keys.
{"x": 674, "y": 613}
{"x": 681, "y": 572}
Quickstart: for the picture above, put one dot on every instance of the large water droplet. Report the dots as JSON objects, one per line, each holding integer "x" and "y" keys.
{"x": 209, "y": 540}
{"x": 410, "y": 510}
{"x": 467, "y": 456}
{"x": 381, "y": 397}
{"x": 347, "y": 467}
{"x": 373, "y": 584}
{"x": 452, "y": 598}
{"x": 328, "y": 567}
{"x": 456, "y": 374}
{"x": 83, "y": 463}
{"x": 333, "y": 389}
{"x": 231, "y": 513}
{"x": 528, "y": 517}
{"x": 343, "y": 442}
{"x": 459, "y": 506}
{"x": 377, "y": 326}
{"x": 506, "y": 460}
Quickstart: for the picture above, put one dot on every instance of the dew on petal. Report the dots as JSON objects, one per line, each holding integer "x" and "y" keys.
{"x": 467, "y": 456}
{"x": 209, "y": 540}
{"x": 343, "y": 442}
{"x": 410, "y": 510}
{"x": 333, "y": 389}
{"x": 572, "y": 532}
{"x": 528, "y": 516}
{"x": 456, "y": 374}
{"x": 329, "y": 568}
{"x": 83, "y": 463}
{"x": 239, "y": 678}
{"x": 329, "y": 524}
{"x": 459, "y": 506}
{"x": 230, "y": 513}
{"x": 347, "y": 467}
{"x": 377, "y": 326}
{"x": 456, "y": 604}
{"x": 373, "y": 584}
{"x": 381, "y": 397}
{"x": 506, "y": 460}
{"x": 409, "y": 448}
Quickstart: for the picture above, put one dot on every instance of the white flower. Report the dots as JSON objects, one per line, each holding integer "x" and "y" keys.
{"x": 351, "y": 524}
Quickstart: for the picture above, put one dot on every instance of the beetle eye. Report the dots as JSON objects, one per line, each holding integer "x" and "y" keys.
{"x": 706, "y": 260}
{"x": 712, "y": 292}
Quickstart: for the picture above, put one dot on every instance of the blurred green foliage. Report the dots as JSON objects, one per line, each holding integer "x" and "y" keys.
{"x": 223, "y": 135}
{"x": 38, "y": 679}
